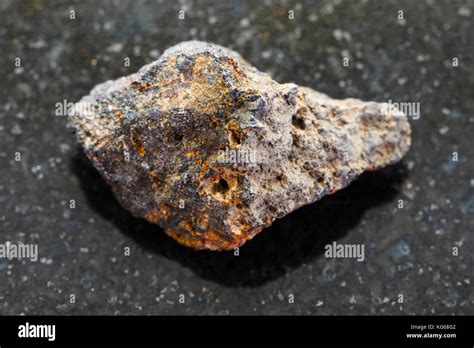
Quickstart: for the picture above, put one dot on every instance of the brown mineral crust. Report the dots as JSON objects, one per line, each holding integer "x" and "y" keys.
{"x": 157, "y": 137}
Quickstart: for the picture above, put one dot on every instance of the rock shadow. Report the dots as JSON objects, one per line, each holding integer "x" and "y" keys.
{"x": 289, "y": 242}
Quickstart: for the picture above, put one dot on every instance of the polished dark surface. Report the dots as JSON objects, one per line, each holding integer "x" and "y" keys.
{"x": 408, "y": 251}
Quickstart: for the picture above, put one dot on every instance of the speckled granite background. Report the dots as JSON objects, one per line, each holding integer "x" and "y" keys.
{"x": 409, "y": 251}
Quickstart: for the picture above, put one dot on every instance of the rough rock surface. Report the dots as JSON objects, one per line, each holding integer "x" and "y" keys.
{"x": 213, "y": 150}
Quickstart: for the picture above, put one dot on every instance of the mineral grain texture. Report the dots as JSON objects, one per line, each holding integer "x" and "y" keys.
{"x": 213, "y": 150}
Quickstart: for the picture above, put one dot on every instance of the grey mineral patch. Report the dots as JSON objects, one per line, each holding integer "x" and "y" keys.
{"x": 213, "y": 150}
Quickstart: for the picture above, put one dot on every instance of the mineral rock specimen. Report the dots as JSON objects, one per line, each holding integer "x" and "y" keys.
{"x": 213, "y": 150}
